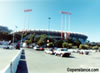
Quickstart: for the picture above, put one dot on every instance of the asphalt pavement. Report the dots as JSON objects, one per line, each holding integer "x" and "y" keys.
{"x": 6, "y": 57}
{"x": 40, "y": 62}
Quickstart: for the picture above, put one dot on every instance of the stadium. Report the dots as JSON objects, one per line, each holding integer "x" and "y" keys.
{"x": 56, "y": 34}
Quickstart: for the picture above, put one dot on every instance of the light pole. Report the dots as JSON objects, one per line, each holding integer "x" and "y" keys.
{"x": 49, "y": 18}
{"x": 14, "y": 34}
{"x": 61, "y": 27}
{"x": 23, "y": 30}
{"x": 69, "y": 26}
{"x": 65, "y": 28}
{"x": 13, "y": 38}
{"x": 22, "y": 37}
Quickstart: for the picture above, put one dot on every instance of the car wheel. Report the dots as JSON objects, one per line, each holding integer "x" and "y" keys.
{"x": 61, "y": 55}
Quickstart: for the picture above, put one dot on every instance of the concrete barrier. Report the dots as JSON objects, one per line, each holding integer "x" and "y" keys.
{"x": 12, "y": 67}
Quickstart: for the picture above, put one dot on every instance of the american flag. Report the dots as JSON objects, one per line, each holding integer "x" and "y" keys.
{"x": 28, "y": 10}
{"x": 64, "y": 12}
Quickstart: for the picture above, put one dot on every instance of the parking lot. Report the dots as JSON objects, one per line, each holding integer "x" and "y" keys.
{"x": 6, "y": 57}
{"x": 40, "y": 62}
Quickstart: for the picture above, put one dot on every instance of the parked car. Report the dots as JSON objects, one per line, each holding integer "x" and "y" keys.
{"x": 49, "y": 51}
{"x": 6, "y": 46}
{"x": 41, "y": 48}
{"x": 63, "y": 52}
{"x": 73, "y": 50}
{"x": 38, "y": 48}
{"x": 32, "y": 45}
{"x": 86, "y": 52}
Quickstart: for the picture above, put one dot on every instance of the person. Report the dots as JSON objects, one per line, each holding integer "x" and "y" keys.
{"x": 18, "y": 46}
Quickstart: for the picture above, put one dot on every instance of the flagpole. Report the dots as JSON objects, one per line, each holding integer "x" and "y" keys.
{"x": 14, "y": 35}
{"x": 69, "y": 27}
{"x": 61, "y": 27}
{"x": 65, "y": 33}
{"x": 65, "y": 29}
{"x": 23, "y": 30}
{"x": 13, "y": 38}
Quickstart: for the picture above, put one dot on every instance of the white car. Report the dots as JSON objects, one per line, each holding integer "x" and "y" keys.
{"x": 49, "y": 51}
{"x": 62, "y": 52}
{"x": 6, "y": 46}
{"x": 86, "y": 52}
{"x": 73, "y": 50}
{"x": 36, "y": 47}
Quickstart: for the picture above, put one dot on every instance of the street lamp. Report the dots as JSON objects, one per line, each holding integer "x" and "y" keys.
{"x": 14, "y": 34}
{"x": 49, "y": 18}
{"x": 13, "y": 38}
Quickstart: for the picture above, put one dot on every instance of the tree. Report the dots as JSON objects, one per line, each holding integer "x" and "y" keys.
{"x": 28, "y": 42}
{"x": 36, "y": 39}
{"x": 69, "y": 40}
{"x": 58, "y": 43}
{"x": 70, "y": 45}
{"x": 24, "y": 34}
{"x": 77, "y": 42}
{"x": 51, "y": 44}
{"x": 98, "y": 44}
{"x": 32, "y": 38}
{"x": 67, "y": 45}
{"x": 83, "y": 46}
{"x": 95, "y": 47}
{"x": 51, "y": 39}
{"x": 42, "y": 40}
{"x": 74, "y": 47}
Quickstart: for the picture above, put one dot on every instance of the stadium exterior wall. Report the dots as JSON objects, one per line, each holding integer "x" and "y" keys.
{"x": 57, "y": 34}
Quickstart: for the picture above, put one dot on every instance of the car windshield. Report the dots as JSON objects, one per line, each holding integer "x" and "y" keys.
{"x": 38, "y": 47}
{"x": 5, "y": 44}
{"x": 64, "y": 49}
{"x": 58, "y": 49}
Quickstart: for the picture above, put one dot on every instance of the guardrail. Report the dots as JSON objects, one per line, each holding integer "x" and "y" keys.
{"x": 12, "y": 67}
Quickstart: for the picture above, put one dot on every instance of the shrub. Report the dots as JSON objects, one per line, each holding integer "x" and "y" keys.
{"x": 95, "y": 47}
{"x": 27, "y": 42}
{"x": 74, "y": 47}
{"x": 51, "y": 44}
{"x": 58, "y": 43}
{"x": 84, "y": 46}
{"x": 65, "y": 45}
{"x": 70, "y": 45}
{"x": 42, "y": 40}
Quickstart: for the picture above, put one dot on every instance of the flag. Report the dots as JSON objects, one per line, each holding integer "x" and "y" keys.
{"x": 28, "y": 10}
{"x": 64, "y": 12}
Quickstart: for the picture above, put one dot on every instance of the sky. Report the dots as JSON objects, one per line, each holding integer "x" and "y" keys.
{"x": 85, "y": 16}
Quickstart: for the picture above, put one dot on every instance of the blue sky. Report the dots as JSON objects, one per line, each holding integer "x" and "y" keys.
{"x": 85, "y": 16}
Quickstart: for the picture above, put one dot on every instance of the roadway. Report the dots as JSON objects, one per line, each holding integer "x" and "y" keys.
{"x": 40, "y": 62}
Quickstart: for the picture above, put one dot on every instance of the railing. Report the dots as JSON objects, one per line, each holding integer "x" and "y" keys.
{"x": 12, "y": 67}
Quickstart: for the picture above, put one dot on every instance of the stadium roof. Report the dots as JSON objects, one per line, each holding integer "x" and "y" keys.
{"x": 50, "y": 31}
